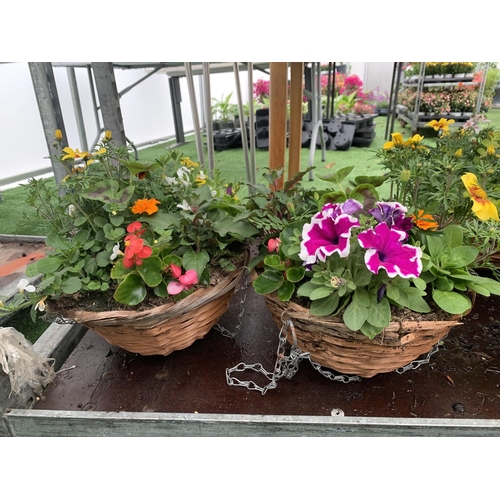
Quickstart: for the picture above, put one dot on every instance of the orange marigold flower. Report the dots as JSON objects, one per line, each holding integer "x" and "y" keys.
{"x": 145, "y": 205}
{"x": 424, "y": 221}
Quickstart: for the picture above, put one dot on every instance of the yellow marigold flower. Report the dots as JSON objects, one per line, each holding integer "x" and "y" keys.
{"x": 145, "y": 205}
{"x": 458, "y": 153}
{"x": 443, "y": 124}
{"x": 101, "y": 151}
{"x": 108, "y": 135}
{"x": 58, "y": 135}
{"x": 397, "y": 141}
{"x": 424, "y": 221}
{"x": 200, "y": 180}
{"x": 75, "y": 154}
{"x": 484, "y": 208}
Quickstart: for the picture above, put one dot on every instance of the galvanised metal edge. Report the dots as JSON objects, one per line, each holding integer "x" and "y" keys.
{"x": 32, "y": 423}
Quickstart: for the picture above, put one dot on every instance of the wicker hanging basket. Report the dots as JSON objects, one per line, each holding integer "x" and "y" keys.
{"x": 333, "y": 345}
{"x": 166, "y": 328}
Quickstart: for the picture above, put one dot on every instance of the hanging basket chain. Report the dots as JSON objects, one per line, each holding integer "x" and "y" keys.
{"x": 288, "y": 365}
{"x": 243, "y": 287}
{"x": 419, "y": 362}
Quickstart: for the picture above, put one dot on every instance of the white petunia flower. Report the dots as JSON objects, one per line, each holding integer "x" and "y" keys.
{"x": 24, "y": 286}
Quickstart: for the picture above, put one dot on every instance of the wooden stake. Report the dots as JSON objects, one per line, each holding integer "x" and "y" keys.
{"x": 277, "y": 117}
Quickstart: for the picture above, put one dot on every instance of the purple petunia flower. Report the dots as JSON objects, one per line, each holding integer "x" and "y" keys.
{"x": 393, "y": 214}
{"x": 326, "y": 235}
{"x": 333, "y": 210}
{"x": 385, "y": 251}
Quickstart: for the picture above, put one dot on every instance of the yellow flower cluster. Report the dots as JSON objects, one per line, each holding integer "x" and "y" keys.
{"x": 399, "y": 142}
{"x": 187, "y": 162}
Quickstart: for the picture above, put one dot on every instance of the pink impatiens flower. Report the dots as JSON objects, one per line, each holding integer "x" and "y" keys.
{"x": 186, "y": 281}
{"x": 385, "y": 251}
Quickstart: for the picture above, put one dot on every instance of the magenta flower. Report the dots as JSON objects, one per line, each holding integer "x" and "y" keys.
{"x": 393, "y": 214}
{"x": 325, "y": 235}
{"x": 385, "y": 251}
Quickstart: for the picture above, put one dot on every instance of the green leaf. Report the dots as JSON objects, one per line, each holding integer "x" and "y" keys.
{"x": 285, "y": 291}
{"x": 415, "y": 301}
{"x": 150, "y": 271}
{"x": 451, "y": 302}
{"x": 442, "y": 283}
{"x": 306, "y": 289}
{"x": 453, "y": 236}
{"x": 119, "y": 270}
{"x": 195, "y": 260}
{"x": 370, "y": 330}
{"x": 103, "y": 259}
{"x": 117, "y": 220}
{"x": 81, "y": 237}
{"x": 338, "y": 176}
{"x": 325, "y": 306}
{"x": 268, "y": 282}
{"x": 275, "y": 262}
{"x": 49, "y": 264}
{"x": 238, "y": 229}
{"x": 420, "y": 283}
{"x": 321, "y": 292}
{"x": 295, "y": 274}
{"x": 379, "y": 314}
{"x": 54, "y": 240}
{"x": 131, "y": 291}
{"x": 71, "y": 285}
{"x": 462, "y": 256}
{"x": 162, "y": 220}
{"x": 356, "y": 314}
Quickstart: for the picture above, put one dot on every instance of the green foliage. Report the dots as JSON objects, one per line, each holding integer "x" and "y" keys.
{"x": 123, "y": 223}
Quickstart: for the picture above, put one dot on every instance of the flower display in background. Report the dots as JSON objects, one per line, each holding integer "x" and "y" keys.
{"x": 482, "y": 206}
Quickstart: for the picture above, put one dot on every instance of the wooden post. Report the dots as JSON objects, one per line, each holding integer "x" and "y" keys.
{"x": 277, "y": 117}
{"x": 295, "y": 140}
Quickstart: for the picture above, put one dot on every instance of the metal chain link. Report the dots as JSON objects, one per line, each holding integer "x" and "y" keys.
{"x": 285, "y": 366}
{"x": 419, "y": 362}
{"x": 241, "y": 303}
{"x": 288, "y": 365}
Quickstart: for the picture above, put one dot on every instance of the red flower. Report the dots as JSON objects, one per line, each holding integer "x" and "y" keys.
{"x": 135, "y": 251}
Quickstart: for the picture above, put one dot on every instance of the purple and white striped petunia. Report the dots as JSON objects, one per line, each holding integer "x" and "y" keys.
{"x": 385, "y": 251}
{"x": 326, "y": 235}
{"x": 393, "y": 214}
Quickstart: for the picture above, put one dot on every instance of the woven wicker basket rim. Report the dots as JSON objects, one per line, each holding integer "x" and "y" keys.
{"x": 293, "y": 310}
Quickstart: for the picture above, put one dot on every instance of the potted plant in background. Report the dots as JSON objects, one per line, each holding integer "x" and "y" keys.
{"x": 223, "y": 112}
{"x": 145, "y": 254}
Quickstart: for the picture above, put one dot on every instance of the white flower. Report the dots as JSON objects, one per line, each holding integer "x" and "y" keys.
{"x": 24, "y": 286}
{"x": 71, "y": 210}
{"x": 40, "y": 305}
{"x": 116, "y": 252}
{"x": 183, "y": 174}
{"x": 171, "y": 181}
{"x": 184, "y": 206}
{"x": 213, "y": 193}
